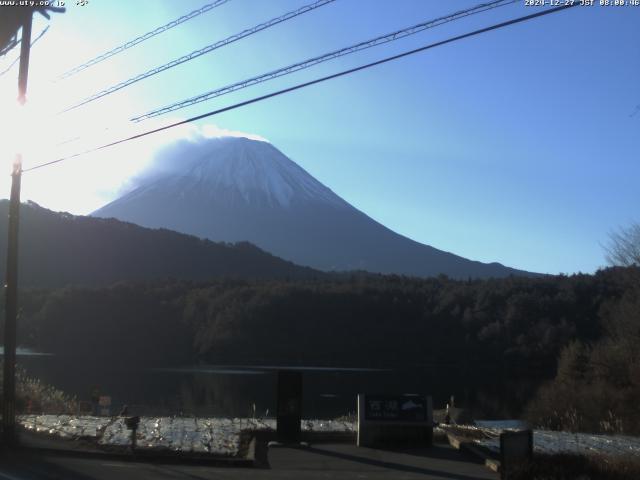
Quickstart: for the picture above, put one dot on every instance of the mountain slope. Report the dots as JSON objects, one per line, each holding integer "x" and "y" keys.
{"x": 58, "y": 249}
{"x": 236, "y": 189}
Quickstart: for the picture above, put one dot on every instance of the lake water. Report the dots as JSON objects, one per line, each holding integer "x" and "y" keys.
{"x": 242, "y": 390}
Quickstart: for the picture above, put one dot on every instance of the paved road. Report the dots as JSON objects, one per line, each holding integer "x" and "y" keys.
{"x": 318, "y": 462}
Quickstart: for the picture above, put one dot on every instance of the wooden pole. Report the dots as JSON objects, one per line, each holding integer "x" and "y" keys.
{"x": 11, "y": 311}
{"x": 9, "y": 432}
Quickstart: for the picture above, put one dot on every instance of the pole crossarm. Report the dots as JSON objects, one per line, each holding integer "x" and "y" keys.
{"x": 11, "y": 21}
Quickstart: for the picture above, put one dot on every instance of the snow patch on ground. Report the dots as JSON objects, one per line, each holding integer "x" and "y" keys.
{"x": 552, "y": 442}
{"x": 219, "y": 436}
{"x": 502, "y": 424}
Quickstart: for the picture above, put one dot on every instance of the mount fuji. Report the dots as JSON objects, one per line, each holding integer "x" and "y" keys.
{"x": 235, "y": 189}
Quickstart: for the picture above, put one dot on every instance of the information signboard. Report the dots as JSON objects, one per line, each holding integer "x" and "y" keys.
{"x": 395, "y": 407}
{"x": 385, "y": 419}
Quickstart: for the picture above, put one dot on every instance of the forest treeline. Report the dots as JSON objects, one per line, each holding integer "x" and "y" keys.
{"x": 59, "y": 249}
{"x": 518, "y": 326}
{"x": 360, "y": 319}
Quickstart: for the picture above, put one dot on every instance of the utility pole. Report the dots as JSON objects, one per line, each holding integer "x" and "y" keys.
{"x": 9, "y": 431}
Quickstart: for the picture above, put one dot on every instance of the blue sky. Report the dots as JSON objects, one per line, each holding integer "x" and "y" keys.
{"x": 516, "y": 146}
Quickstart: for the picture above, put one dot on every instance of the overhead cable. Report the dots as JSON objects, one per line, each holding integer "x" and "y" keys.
{"x": 395, "y": 35}
{"x": 202, "y": 51}
{"x": 15, "y": 60}
{"x": 142, "y": 38}
{"x": 306, "y": 84}
{"x": 389, "y": 37}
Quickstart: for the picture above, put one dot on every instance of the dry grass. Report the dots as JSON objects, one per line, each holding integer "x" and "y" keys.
{"x": 580, "y": 467}
{"x": 34, "y": 396}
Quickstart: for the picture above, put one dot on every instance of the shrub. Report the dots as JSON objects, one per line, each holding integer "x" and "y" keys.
{"x": 35, "y": 396}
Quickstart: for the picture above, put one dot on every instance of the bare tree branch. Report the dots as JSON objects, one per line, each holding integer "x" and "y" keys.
{"x": 623, "y": 248}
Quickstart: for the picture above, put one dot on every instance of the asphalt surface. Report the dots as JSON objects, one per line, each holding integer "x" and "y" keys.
{"x": 322, "y": 461}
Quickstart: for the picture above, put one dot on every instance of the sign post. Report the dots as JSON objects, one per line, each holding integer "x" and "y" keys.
{"x": 132, "y": 424}
{"x": 289, "y": 407}
{"x": 104, "y": 402}
{"x": 516, "y": 452}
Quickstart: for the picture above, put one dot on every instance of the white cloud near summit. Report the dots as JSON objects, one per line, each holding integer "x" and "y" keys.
{"x": 213, "y": 131}
{"x": 87, "y": 182}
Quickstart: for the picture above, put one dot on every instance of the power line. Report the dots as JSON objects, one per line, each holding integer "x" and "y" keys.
{"x": 13, "y": 43}
{"x": 389, "y": 37}
{"x": 307, "y": 84}
{"x": 15, "y": 60}
{"x": 326, "y": 57}
{"x": 142, "y": 38}
{"x": 203, "y": 51}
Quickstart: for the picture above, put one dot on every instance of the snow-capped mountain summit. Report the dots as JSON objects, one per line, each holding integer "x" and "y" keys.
{"x": 257, "y": 172}
{"x": 235, "y": 189}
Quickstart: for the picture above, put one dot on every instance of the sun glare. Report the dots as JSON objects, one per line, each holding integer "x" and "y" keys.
{"x": 13, "y": 124}
{"x": 25, "y": 131}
